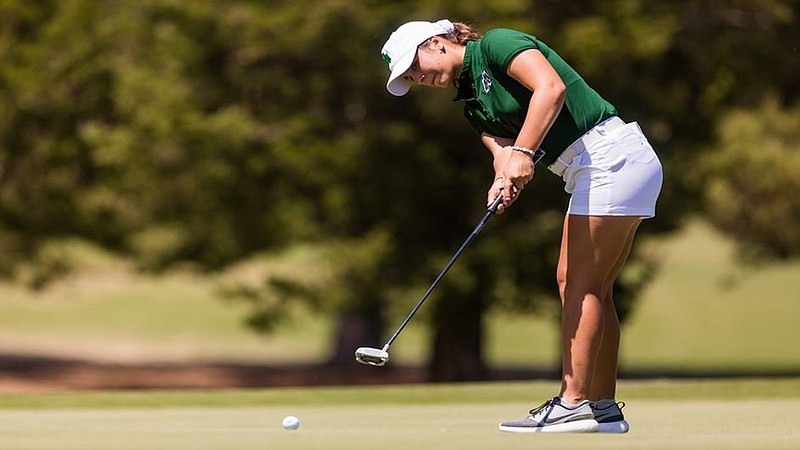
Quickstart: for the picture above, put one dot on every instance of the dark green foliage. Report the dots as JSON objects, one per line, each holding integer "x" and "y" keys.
{"x": 752, "y": 186}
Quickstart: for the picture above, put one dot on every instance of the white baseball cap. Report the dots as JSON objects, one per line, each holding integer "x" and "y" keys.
{"x": 400, "y": 50}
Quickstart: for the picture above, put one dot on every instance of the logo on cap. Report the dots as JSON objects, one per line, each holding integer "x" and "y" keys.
{"x": 386, "y": 58}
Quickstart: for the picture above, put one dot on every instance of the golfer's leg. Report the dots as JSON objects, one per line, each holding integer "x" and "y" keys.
{"x": 590, "y": 248}
{"x": 604, "y": 381}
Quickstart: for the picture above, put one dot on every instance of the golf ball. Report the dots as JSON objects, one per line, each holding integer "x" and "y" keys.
{"x": 290, "y": 423}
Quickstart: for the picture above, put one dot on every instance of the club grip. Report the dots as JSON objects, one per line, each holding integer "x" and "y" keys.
{"x": 537, "y": 155}
{"x": 496, "y": 203}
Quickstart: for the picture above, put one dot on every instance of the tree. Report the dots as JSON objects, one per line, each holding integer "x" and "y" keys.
{"x": 752, "y": 180}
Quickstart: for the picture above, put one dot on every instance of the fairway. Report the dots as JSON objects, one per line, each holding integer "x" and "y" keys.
{"x": 663, "y": 415}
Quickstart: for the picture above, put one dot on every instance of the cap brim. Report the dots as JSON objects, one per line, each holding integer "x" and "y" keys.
{"x": 397, "y": 85}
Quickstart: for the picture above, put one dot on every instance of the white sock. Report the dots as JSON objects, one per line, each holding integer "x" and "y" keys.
{"x": 568, "y": 404}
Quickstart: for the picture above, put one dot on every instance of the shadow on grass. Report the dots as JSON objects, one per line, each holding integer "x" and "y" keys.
{"x": 23, "y": 373}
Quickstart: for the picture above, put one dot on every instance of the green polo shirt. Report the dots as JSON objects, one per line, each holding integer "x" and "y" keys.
{"x": 496, "y": 103}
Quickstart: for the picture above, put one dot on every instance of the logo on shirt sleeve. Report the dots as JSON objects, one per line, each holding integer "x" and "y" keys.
{"x": 486, "y": 81}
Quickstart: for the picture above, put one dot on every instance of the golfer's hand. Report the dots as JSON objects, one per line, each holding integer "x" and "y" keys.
{"x": 494, "y": 191}
{"x": 517, "y": 172}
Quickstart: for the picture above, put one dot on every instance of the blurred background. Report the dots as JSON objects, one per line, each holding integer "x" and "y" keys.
{"x": 222, "y": 193}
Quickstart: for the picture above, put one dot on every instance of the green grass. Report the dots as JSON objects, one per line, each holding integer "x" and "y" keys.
{"x": 700, "y": 389}
{"x": 105, "y": 311}
{"x": 704, "y": 311}
{"x": 732, "y": 414}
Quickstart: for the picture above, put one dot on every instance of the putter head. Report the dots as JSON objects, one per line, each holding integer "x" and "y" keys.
{"x": 372, "y": 356}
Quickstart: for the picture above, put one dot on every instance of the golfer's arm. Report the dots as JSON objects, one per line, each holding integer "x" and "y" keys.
{"x": 533, "y": 71}
{"x": 495, "y": 144}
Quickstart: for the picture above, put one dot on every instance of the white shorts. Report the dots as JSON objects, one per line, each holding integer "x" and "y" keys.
{"x": 618, "y": 174}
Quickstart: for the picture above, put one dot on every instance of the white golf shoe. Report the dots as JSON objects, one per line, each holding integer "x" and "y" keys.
{"x": 556, "y": 417}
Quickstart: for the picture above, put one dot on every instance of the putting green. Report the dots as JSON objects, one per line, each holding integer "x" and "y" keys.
{"x": 697, "y": 415}
{"x": 728, "y": 424}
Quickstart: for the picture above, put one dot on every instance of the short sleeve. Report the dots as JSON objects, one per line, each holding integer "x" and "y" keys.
{"x": 501, "y": 45}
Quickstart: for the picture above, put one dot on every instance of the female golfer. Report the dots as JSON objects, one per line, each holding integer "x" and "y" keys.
{"x": 523, "y": 99}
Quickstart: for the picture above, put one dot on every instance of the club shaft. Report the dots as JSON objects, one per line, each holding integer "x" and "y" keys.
{"x": 470, "y": 238}
{"x": 538, "y": 154}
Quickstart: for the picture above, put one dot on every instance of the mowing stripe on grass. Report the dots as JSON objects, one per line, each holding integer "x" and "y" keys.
{"x": 727, "y": 389}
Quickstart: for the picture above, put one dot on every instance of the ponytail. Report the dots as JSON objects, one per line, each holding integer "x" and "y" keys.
{"x": 460, "y": 34}
{"x": 464, "y": 33}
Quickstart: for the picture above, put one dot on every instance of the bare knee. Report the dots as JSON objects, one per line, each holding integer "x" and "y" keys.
{"x": 561, "y": 280}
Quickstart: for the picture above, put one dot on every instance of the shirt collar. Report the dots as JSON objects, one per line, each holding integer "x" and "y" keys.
{"x": 464, "y": 83}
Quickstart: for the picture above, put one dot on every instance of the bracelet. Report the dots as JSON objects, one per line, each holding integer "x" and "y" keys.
{"x": 535, "y": 155}
{"x": 527, "y": 151}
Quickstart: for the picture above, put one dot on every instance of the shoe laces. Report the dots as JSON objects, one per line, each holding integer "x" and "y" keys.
{"x": 542, "y": 408}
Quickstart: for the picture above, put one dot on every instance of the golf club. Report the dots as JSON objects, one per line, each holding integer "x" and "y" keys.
{"x": 380, "y": 356}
